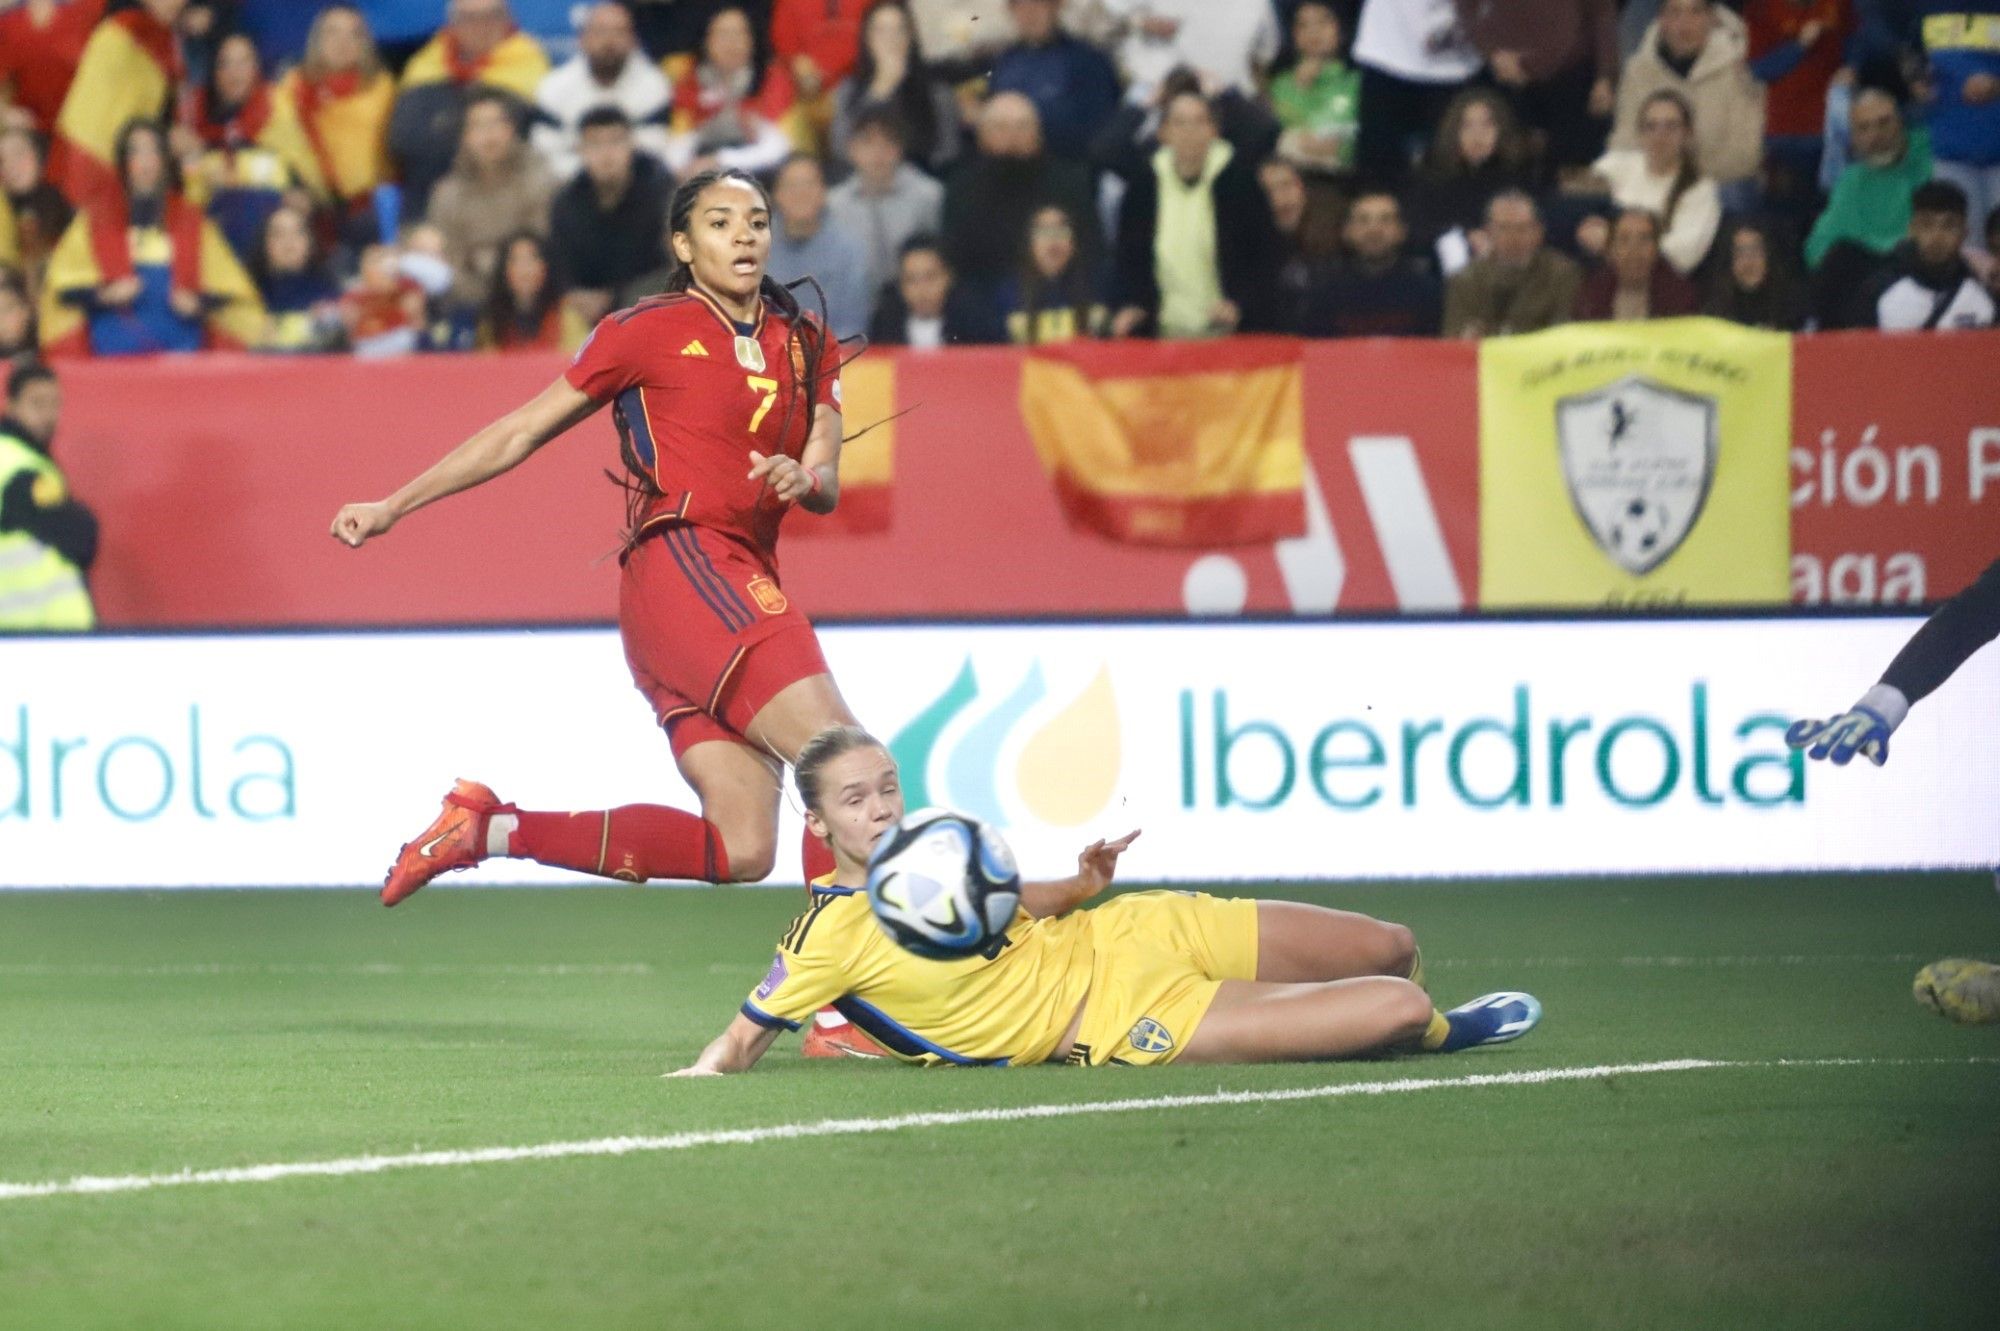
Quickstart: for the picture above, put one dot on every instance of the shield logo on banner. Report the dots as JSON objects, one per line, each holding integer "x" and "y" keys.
{"x": 1638, "y": 457}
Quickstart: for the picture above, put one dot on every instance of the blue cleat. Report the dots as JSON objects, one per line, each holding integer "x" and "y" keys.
{"x": 1491, "y": 1019}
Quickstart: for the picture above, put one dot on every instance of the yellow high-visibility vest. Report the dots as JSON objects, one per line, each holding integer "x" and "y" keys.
{"x": 39, "y": 589}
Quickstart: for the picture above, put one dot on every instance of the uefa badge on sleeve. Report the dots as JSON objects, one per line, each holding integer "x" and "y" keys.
{"x": 774, "y": 977}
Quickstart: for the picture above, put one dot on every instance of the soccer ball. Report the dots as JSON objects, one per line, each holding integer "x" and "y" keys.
{"x": 1965, "y": 991}
{"x": 943, "y": 885}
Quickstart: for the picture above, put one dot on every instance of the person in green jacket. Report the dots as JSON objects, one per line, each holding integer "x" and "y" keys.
{"x": 1315, "y": 94}
{"x": 47, "y": 539}
{"x": 1870, "y": 205}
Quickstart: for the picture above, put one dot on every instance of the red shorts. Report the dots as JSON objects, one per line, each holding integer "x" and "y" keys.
{"x": 708, "y": 635}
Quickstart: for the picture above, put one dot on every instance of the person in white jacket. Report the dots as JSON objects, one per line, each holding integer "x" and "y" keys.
{"x": 1700, "y": 50}
{"x": 1663, "y": 175}
{"x": 608, "y": 69}
{"x": 1229, "y": 43}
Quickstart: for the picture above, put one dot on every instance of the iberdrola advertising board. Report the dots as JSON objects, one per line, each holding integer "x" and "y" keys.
{"x": 1270, "y": 751}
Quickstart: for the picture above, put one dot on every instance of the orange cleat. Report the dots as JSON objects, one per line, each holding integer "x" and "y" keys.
{"x": 834, "y": 1036}
{"x": 456, "y": 840}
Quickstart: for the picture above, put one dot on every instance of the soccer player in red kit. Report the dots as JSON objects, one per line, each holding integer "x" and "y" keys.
{"x": 727, "y": 400}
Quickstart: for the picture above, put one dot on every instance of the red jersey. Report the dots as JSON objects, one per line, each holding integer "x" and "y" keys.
{"x": 42, "y": 61}
{"x": 1796, "y": 103}
{"x": 693, "y": 397}
{"x": 827, "y": 30}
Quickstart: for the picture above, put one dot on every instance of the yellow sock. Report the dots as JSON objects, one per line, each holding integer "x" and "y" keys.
{"x": 1417, "y": 968}
{"x": 1435, "y": 1034}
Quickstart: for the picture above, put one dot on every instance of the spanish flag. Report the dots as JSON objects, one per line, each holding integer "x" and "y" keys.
{"x": 101, "y": 246}
{"x": 867, "y": 459}
{"x": 1172, "y": 443}
{"x": 333, "y": 132}
{"x": 516, "y": 65}
{"x": 129, "y": 69}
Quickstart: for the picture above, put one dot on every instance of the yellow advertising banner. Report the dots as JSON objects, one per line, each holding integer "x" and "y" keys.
{"x": 1635, "y": 465}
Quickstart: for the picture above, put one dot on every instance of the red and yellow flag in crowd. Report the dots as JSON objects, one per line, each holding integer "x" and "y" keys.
{"x": 101, "y": 247}
{"x": 129, "y": 70}
{"x": 515, "y": 65}
{"x": 1175, "y": 444}
{"x": 332, "y": 132}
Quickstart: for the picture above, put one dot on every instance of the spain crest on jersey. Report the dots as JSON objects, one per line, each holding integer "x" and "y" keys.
{"x": 770, "y": 599}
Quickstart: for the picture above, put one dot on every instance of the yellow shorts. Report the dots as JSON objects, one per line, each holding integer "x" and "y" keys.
{"x": 1160, "y": 956}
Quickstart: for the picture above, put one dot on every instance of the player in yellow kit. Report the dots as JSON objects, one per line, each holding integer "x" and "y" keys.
{"x": 1150, "y": 977}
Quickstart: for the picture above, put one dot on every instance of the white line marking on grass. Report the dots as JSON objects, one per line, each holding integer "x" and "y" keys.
{"x": 1680, "y": 963}
{"x": 88, "y": 1185}
{"x": 587, "y": 969}
{"x": 29, "y": 970}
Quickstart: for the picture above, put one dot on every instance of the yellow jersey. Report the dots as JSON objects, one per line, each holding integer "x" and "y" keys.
{"x": 1011, "y": 1004}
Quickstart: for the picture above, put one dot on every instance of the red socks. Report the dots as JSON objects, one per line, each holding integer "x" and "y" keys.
{"x": 640, "y": 841}
{"x": 815, "y": 857}
{"x": 634, "y": 842}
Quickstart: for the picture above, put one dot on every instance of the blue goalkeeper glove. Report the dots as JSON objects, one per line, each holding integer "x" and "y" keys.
{"x": 1863, "y": 728}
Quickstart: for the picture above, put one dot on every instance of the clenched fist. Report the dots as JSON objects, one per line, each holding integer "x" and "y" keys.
{"x": 357, "y": 522}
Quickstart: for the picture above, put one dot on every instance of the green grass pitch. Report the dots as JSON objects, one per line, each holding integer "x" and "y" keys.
{"x": 148, "y": 1033}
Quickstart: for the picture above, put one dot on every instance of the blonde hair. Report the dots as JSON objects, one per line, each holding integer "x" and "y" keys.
{"x": 314, "y": 66}
{"x": 822, "y": 749}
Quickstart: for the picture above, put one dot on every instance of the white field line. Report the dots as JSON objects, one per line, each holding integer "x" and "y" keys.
{"x": 1682, "y": 962}
{"x": 855, "y": 1127}
{"x": 101, "y": 970}
{"x": 32, "y": 970}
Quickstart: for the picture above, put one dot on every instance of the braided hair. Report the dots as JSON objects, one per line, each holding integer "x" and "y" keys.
{"x": 807, "y": 341}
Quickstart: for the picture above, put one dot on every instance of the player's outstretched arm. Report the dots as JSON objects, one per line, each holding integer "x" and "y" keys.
{"x": 1096, "y": 866}
{"x": 499, "y": 447}
{"x": 813, "y": 480}
{"x": 737, "y": 1049}
{"x": 1959, "y": 627}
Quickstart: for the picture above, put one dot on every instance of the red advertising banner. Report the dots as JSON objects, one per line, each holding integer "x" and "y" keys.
{"x": 216, "y": 477}
{"x": 1895, "y": 466}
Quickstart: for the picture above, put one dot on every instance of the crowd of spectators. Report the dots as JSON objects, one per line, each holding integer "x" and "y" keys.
{"x": 305, "y": 177}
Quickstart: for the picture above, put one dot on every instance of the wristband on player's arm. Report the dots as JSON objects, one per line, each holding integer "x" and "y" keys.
{"x": 1887, "y": 702}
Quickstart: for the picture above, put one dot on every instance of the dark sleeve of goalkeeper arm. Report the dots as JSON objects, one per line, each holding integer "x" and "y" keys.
{"x": 1961, "y": 626}
{"x": 66, "y": 527}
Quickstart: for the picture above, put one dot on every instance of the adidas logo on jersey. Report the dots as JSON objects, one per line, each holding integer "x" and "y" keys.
{"x": 694, "y": 348}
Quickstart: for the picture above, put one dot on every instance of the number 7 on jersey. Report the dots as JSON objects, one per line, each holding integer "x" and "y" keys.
{"x": 769, "y": 388}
